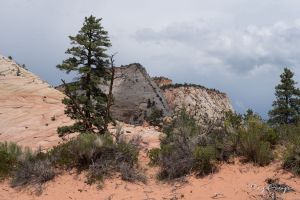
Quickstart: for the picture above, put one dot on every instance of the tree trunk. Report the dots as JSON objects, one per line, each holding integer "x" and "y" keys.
{"x": 110, "y": 95}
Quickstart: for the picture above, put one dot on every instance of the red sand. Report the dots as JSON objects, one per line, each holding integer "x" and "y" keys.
{"x": 232, "y": 181}
{"x": 236, "y": 181}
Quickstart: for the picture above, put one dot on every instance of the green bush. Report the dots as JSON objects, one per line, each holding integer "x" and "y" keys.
{"x": 249, "y": 136}
{"x": 153, "y": 155}
{"x": 100, "y": 156}
{"x": 271, "y": 136}
{"x": 183, "y": 149}
{"x": 24, "y": 166}
{"x": 292, "y": 156}
{"x": 156, "y": 117}
{"x": 5, "y": 164}
{"x": 204, "y": 157}
{"x": 81, "y": 151}
{"x": 254, "y": 142}
{"x": 9, "y": 155}
{"x": 224, "y": 144}
{"x": 287, "y": 133}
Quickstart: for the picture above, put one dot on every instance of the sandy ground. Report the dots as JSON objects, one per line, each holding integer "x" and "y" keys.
{"x": 232, "y": 181}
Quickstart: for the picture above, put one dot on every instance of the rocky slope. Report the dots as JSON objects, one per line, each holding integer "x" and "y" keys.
{"x": 207, "y": 106}
{"x": 30, "y": 110}
{"x": 136, "y": 94}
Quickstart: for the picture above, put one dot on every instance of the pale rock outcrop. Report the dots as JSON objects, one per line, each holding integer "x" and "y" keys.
{"x": 30, "y": 109}
{"x": 135, "y": 94}
{"x": 207, "y": 106}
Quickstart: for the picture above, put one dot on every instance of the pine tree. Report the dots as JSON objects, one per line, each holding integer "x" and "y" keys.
{"x": 86, "y": 103}
{"x": 286, "y": 107}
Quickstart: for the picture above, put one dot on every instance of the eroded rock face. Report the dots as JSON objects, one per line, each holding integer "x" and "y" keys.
{"x": 205, "y": 105}
{"x": 30, "y": 109}
{"x": 135, "y": 94}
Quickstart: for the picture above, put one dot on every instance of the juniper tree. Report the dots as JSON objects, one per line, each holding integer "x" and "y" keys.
{"x": 286, "y": 107}
{"x": 85, "y": 102}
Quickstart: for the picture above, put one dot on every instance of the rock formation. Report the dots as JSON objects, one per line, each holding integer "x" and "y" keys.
{"x": 207, "y": 106}
{"x": 136, "y": 94}
{"x": 30, "y": 109}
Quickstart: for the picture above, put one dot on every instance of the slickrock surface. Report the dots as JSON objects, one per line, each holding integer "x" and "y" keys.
{"x": 205, "y": 105}
{"x": 30, "y": 109}
{"x": 133, "y": 90}
{"x": 135, "y": 95}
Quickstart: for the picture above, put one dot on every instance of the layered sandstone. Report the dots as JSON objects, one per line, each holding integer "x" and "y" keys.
{"x": 207, "y": 106}
{"x": 30, "y": 109}
{"x": 136, "y": 94}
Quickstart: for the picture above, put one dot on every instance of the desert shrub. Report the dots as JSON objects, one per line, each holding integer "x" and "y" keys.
{"x": 131, "y": 174}
{"x": 9, "y": 154}
{"x": 175, "y": 161}
{"x": 184, "y": 149}
{"x": 153, "y": 155}
{"x": 287, "y": 133}
{"x": 292, "y": 155}
{"x": 254, "y": 141}
{"x": 155, "y": 118}
{"x": 271, "y": 136}
{"x": 24, "y": 166}
{"x": 204, "y": 157}
{"x": 249, "y": 136}
{"x": 100, "y": 156}
{"x": 33, "y": 172}
{"x": 5, "y": 164}
{"x": 12, "y": 149}
{"x": 224, "y": 144}
{"x": 81, "y": 151}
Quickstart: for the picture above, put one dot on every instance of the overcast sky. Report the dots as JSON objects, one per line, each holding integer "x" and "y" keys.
{"x": 236, "y": 46}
